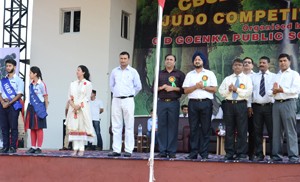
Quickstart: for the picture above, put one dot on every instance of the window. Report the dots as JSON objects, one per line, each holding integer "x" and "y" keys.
{"x": 125, "y": 25}
{"x": 71, "y": 20}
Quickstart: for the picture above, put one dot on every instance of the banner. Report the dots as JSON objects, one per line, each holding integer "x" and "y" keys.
{"x": 9, "y": 53}
{"x": 221, "y": 29}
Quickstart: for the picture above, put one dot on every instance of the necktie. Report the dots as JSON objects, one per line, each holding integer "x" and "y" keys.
{"x": 262, "y": 89}
{"x": 237, "y": 85}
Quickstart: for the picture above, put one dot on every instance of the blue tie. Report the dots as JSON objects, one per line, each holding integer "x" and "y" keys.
{"x": 237, "y": 84}
{"x": 262, "y": 89}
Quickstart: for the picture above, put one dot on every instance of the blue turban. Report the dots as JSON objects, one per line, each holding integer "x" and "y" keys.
{"x": 198, "y": 53}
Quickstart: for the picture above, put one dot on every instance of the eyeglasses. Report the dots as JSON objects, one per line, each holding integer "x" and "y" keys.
{"x": 247, "y": 62}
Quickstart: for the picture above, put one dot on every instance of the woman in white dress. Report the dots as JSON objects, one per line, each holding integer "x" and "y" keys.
{"x": 79, "y": 121}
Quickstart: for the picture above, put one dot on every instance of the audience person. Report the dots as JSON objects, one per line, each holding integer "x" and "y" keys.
{"x": 149, "y": 127}
{"x": 96, "y": 109}
{"x": 184, "y": 110}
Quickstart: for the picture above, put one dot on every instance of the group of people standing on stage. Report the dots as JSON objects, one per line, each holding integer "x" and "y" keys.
{"x": 11, "y": 91}
{"x": 255, "y": 99}
{"x": 250, "y": 101}
{"x": 80, "y": 118}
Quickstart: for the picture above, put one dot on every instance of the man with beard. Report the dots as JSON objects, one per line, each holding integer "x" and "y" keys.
{"x": 169, "y": 91}
{"x": 262, "y": 105}
{"x": 285, "y": 90}
{"x": 200, "y": 85}
{"x": 11, "y": 90}
{"x": 236, "y": 89}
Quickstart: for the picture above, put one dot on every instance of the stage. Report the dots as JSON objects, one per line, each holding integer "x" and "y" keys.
{"x": 54, "y": 165}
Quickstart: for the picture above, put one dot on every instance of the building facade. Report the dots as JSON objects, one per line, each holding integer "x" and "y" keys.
{"x": 69, "y": 33}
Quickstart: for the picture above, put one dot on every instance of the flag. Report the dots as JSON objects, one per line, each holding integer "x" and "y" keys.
{"x": 161, "y": 3}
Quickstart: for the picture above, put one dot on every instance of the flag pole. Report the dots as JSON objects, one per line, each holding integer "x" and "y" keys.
{"x": 155, "y": 90}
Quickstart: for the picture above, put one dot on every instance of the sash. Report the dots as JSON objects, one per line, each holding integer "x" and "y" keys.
{"x": 10, "y": 93}
{"x": 38, "y": 105}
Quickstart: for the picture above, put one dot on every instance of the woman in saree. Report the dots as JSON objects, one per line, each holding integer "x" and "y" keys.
{"x": 79, "y": 121}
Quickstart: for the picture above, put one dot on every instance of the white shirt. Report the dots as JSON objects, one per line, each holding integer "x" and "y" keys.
{"x": 182, "y": 116}
{"x": 245, "y": 88}
{"x": 250, "y": 74}
{"x": 207, "y": 77}
{"x": 17, "y": 83}
{"x": 125, "y": 82}
{"x": 249, "y": 101}
{"x": 289, "y": 80}
{"x": 256, "y": 79}
{"x": 96, "y": 105}
{"x": 40, "y": 89}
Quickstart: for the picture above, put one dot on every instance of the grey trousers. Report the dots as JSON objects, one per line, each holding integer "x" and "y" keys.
{"x": 284, "y": 121}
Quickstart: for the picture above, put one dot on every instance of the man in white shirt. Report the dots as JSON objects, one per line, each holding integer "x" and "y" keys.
{"x": 200, "y": 85}
{"x": 236, "y": 89}
{"x": 11, "y": 91}
{"x": 96, "y": 110}
{"x": 125, "y": 83}
{"x": 248, "y": 65}
{"x": 285, "y": 90}
{"x": 262, "y": 105}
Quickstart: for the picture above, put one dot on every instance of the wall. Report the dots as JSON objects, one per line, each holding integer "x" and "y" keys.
{"x": 58, "y": 55}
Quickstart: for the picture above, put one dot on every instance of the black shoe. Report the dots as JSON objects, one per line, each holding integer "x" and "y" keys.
{"x": 30, "y": 151}
{"x": 161, "y": 155}
{"x": 276, "y": 159}
{"x": 98, "y": 148}
{"x": 259, "y": 158}
{"x": 88, "y": 148}
{"x": 114, "y": 154}
{"x": 172, "y": 156}
{"x": 127, "y": 154}
{"x": 4, "y": 150}
{"x": 64, "y": 148}
{"x": 293, "y": 159}
{"x": 191, "y": 157}
{"x": 251, "y": 157}
{"x": 228, "y": 157}
{"x": 241, "y": 157}
{"x": 38, "y": 151}
{"x": 204, "y": 157}
{"x": 12, "y": 150}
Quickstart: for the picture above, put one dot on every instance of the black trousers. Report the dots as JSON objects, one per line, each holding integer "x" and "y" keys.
{"x": 9, "y": 126}
{"x": 236, "y": 122}
{"x": 200, "y": 126}
{"x": 167, "y": 133}
{"x": 251, "y": 137}
{"x": 262, "y": 115}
